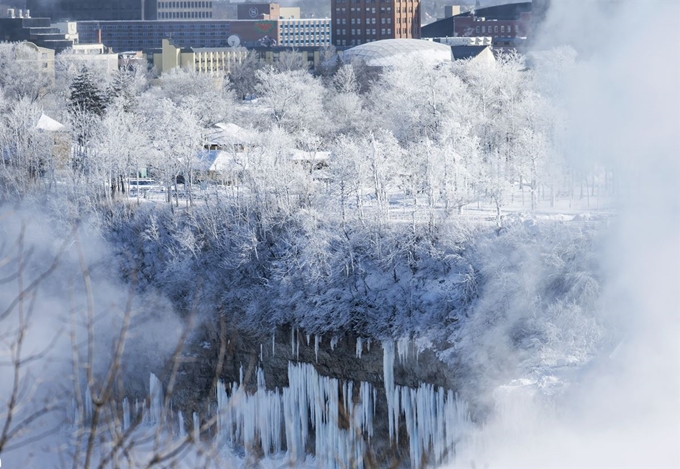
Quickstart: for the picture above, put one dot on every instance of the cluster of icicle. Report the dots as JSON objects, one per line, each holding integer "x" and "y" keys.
{"x": 436, "y": 420}
{"x": 339, "y": 420}
{"x": 311, "y": 404}
{"x": 151, "y": 414}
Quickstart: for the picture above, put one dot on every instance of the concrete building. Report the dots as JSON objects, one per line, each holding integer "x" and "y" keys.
{"x": 218, "y": 61}
{"x": 191, "y": 10}
{"x": 305, "y": 32}
{"x": 503, "y": 23}
{"x": 94, "y": 56}
{"x": 214, "y": 61}
{"x": 357, "y": 22}
{"x": 124, "y": 36}
{"x": 39, "y": 31}
{"x": 82, "y": 10}
{"x": 290, "y": 13}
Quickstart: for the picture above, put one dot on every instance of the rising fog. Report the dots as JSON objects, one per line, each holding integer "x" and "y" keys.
{"x": 622, "y": 410}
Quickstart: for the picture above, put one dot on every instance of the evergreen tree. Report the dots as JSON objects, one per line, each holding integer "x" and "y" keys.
{"x": 86, "y": 97}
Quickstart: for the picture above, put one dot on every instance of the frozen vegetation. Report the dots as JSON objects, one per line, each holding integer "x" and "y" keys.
{"x": 414, "y": 267}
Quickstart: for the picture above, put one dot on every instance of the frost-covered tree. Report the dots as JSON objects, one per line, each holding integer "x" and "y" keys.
{"x": 22, "y": 73}
{"x": 293, "y": 100}
{"x": 26, "y": 151}
{"x": 243, "y": 78}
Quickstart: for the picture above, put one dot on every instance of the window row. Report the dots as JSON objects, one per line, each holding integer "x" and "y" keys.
{"x": 176, "y": 15}
{"x": 495, "y": 29}
{"x": 369, "y": 32}
{"x": 200, "y": 4}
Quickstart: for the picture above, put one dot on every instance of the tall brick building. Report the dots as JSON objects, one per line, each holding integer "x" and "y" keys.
{"x": 357, "y": 22}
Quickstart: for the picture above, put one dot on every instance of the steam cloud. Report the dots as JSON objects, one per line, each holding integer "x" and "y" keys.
{"x": 622, "y": 98}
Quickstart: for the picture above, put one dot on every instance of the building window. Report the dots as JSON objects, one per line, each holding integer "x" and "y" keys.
{"x": 483, "y": 29}
{"x": 502, "y": 29}
{"x": 477, "y": 29}
{"x": 495, "y": 29}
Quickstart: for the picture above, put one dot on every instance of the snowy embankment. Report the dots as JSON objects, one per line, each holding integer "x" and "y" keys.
{"x": 496, "y": 304}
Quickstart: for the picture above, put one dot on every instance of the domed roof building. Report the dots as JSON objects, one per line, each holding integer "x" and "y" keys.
{"x": 390, "y": 52}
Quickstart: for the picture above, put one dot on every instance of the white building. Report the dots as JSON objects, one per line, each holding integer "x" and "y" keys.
{"x": 308, "y": 32}
{"x": 94, "y": 56}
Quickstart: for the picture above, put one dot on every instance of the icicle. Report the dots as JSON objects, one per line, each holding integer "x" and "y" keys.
{"x": 126, "y": 414}
{"x": 308, "y": 337}
{"x": 402, "y": 349}
{"x": 260, "y": 379}
{"x": 240, "y": 375}
{"x": 334, "y": 343}
{"x": 292, "y": 341}
{"x": 180, "y": 421}
{"x": 155, "y": 399}
{"x": 317, "y": 339}
{"x": 388, "y": 379}
{"x": 368, "y": 345}
{"x": 197, "y": 428}
{"x": 88, "y": 404}
{"x": 359, "y": 347}
{"x": 273, "y": 344}
{"x": 261, "y": 354}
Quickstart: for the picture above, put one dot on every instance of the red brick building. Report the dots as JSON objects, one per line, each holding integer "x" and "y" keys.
{"x": 355, "y": 22}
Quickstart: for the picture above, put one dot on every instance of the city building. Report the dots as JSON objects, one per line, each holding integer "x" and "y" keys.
{"x": 218, "y": 61}
{"x": 290, "y": 13}
{"x": 124, "y": 36}
{"x": 214, "y": 61}
{"x": 305, "y": 32}
{"x": 357, "y": 22}
{"x": 266, "y": 11}
{"x": 38, "y": 31}
{"x": 191, "y": 10}
{"x": 505, "y": 24}
{"x": 82, "y": 10}
{"x": 258, "y": 11}
{"x": 94, "y": 56}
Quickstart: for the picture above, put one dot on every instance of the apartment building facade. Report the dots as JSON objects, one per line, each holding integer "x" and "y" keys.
{"x": 305, "y": 32}
{"x": 356, "y": 22}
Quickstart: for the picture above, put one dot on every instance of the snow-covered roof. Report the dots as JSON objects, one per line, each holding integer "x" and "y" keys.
{"x": 48, "y": 124}
{"x": 230, "y": 134}
{"x": 219, "y": 161}
{"x": 300, "y": 155}
{"x": 389, "y": 52}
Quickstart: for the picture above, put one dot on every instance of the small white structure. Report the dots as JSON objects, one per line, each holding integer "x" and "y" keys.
{"x": 48, "y": 124}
